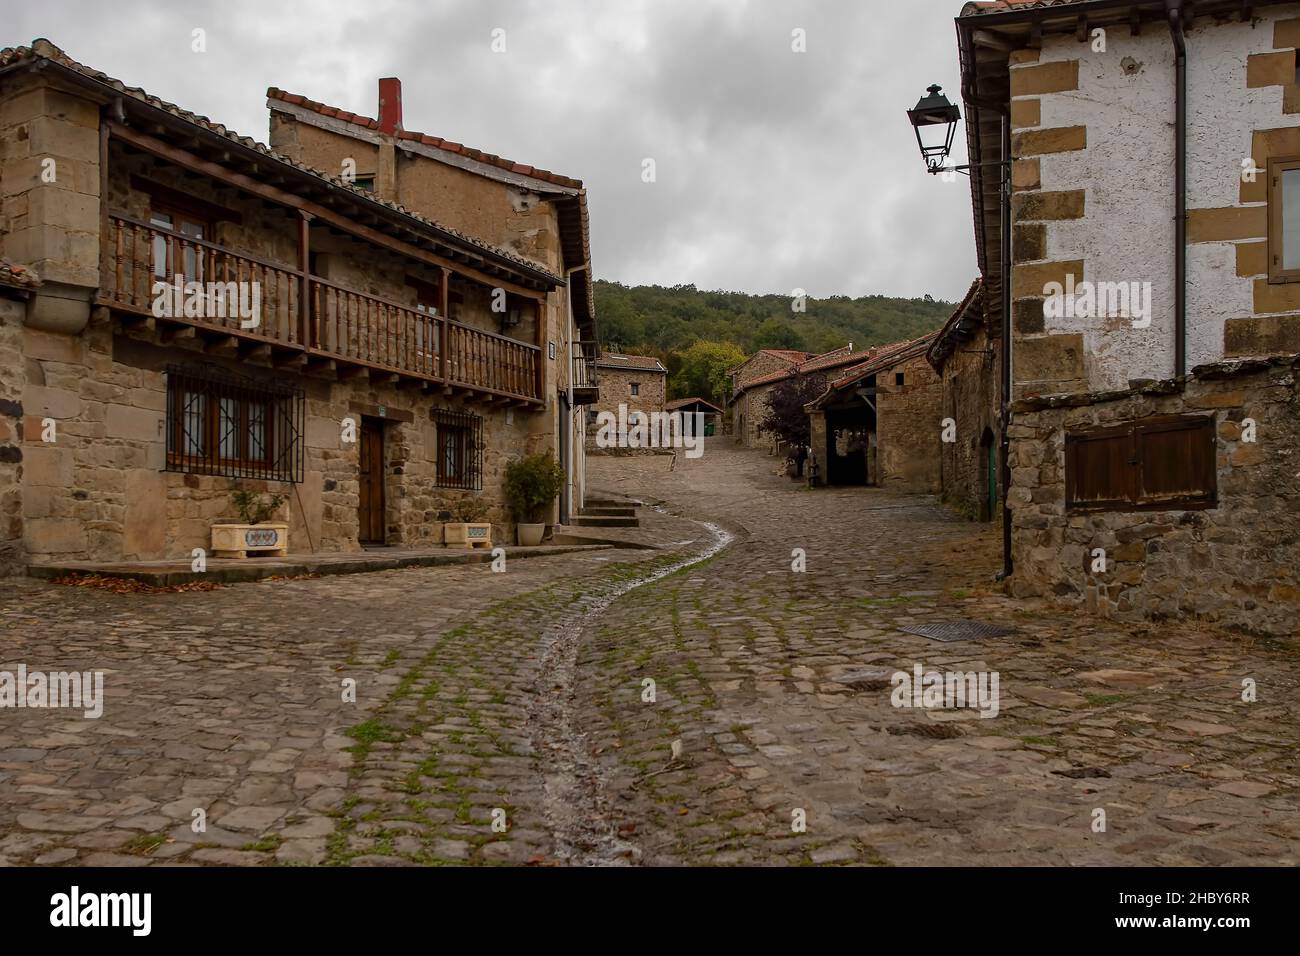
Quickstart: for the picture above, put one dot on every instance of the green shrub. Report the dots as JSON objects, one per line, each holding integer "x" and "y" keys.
{"x": 253, "y": 508}
{"x": 470, "y": 510}
{"x": 532, "y": 484}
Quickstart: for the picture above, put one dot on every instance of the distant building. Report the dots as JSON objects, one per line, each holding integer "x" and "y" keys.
{"x": 698, "y": 406}
{"x": 965, "y": 354}
{"x": 638, "y": 381}
{"x": 878, "y": 423}
{"x": 755, "y": 379}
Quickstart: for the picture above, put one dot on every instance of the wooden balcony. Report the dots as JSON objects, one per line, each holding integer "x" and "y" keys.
{"x": 586, "y": 385}
{"x": 306, "y": 321}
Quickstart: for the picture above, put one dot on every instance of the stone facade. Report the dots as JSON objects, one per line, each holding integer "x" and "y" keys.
{"x": 12, "y": 381}
{"x": 967, "y": 354}
{"x": 1235, "y": 563}
{"x": 748, "y": 403}
{"x": 616, "y": 389}
{"x": 102, "y": 487}
{"x": 908, "y": 435}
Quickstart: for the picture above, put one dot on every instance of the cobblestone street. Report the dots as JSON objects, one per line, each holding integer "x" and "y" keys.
{"x": 521, "y": 697}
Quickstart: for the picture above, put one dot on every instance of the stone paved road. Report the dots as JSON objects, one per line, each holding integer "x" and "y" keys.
{"x": 750, "y": 659}
{"x": 521, "y": 694}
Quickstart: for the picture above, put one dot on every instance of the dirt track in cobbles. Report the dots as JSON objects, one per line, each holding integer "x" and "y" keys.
{"x": 523, "y": 696}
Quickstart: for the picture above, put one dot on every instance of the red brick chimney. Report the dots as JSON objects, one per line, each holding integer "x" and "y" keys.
{"x": 390, "y": 105}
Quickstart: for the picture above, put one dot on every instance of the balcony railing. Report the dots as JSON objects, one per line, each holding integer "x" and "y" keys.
{"x": 338, "y": 322}
{"x": 583, "y": 373}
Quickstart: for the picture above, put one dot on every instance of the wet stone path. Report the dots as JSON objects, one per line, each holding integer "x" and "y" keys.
{"x": 668, "y": 707}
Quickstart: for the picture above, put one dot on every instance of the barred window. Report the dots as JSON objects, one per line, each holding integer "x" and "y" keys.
{"x": 459, "y": 450}
{"x": 221, "y": 423}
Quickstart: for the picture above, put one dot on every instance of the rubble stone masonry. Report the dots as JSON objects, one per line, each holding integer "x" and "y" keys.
{"x": 1237, "y": 564}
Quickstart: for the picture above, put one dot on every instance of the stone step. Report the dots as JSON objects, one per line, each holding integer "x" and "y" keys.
{"x": 604, "y": 521}
{"x": 609, "y": 511}
{"x": 590, "y": 502}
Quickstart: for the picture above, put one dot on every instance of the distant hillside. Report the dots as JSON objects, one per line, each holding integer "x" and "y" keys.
{"x": 662, "y": 321}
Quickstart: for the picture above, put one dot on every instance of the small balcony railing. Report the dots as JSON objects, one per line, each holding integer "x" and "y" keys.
{"x": 338, "y": 322}
{"x": 583, "y": 376}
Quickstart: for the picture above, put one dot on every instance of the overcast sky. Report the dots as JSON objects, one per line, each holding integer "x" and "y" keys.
{"x": 775, "y": 170}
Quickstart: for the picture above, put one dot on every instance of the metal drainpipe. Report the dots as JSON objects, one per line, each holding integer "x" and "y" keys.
{"x": 1175, "y": 11}
{"x": 1008, "y": 563}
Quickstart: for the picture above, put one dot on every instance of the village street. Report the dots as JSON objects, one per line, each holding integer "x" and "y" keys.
{"x": 522, "y": 697}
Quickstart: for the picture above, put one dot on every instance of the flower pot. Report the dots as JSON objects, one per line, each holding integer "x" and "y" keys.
{"x": 467, "y": 534}
{"x": 238, "y": 540}
{"x": 530, "y": 535}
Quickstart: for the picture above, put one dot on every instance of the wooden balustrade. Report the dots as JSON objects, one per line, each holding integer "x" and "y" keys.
{"x": 341, "y": 323}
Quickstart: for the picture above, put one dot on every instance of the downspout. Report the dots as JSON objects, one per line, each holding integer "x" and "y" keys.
{"x": 1175, "y": 11}
{"x": 1004, "y": 191}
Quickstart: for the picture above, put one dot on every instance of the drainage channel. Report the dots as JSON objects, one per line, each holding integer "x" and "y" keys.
{"x": 575, "y": 806}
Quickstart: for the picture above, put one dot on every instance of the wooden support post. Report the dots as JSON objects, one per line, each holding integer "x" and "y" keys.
{"x": 306, "y": 336}
{"x": 444, "y": 298}
{"x": 542, "y": 357}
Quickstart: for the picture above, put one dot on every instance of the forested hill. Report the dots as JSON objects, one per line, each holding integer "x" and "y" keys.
{"x": 658, "y": 320}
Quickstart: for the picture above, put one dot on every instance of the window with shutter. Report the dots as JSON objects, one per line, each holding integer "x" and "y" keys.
{"x": 1164, "y": 463}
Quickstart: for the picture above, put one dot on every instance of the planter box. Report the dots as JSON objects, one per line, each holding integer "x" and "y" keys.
{"x": 461, "y": 535}
{"x": 238, "y": 540}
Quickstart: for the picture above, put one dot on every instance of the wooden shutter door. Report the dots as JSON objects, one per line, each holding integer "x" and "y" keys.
{"x": 1177, "y": 462}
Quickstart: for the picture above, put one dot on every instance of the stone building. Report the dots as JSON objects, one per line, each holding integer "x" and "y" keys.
{"x": 966, "y": 354}
{"x": 640, "y": 382}
{"x": 374, "y": 350}
{"x": 878, "y": 423}
{"x": 754, "y": 380}
{"x": 1153, "y": 298}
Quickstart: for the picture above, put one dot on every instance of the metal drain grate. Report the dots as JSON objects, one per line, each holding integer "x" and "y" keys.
{"x": 957, "y": 630}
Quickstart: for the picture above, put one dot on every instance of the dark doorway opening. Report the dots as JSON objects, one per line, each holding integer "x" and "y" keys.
{"x": 988, "y": 506}
{"x": 370, "y": 507}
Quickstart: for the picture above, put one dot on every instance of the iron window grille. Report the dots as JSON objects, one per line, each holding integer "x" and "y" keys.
{"x": 228, "y": 425}
{"x": 458, "y": 450}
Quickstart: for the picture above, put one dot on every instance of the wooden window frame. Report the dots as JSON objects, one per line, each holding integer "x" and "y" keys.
{"x": 1133, "y": 499}
{"x": 1276, "y": 273}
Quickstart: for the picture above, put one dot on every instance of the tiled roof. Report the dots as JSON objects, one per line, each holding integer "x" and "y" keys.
{"x": 683, "y": 402}
{"x": 977, "y": 7}
{"x": 18, "y": 276}
{"x": 617, "y": 360}
{"x": 832, "y": 359}
{"x": 952, "y": 332}
{"x": 435, "y": 141}
{"x": 42, "y": 49}
{"x": 887, "y": 356}
{"x": 790, "y": 355}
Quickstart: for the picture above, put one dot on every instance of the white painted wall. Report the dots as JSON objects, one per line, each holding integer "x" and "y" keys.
{"x": 1127, "y": 172}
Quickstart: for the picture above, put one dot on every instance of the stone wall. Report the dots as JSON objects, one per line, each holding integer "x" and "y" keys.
{"x": 908, "y": 432}
{"x": 13, "y": 376}
{"x": 616, "y": 388}
{"x": 971, "y": 378}
{"x": 1235, "y": 564}
{"x": 94, "y": 494}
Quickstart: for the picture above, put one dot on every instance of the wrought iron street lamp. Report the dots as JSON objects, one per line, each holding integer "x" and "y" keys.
{"x": 935, "y": 120}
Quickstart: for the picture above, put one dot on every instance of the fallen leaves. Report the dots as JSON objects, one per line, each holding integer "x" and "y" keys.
{"x": 131, "y": 586}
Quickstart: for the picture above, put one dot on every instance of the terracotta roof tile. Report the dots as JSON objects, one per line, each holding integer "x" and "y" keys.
{"x": 619, "y": 360}
{"x": 18, "y": 276}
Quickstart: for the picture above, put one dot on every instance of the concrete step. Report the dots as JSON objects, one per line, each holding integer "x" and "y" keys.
{"x": 609, "y": 511}
{"x": 604, "y": 521}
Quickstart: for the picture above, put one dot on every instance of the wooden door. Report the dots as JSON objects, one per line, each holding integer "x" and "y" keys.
{"x": 370, "y": 510}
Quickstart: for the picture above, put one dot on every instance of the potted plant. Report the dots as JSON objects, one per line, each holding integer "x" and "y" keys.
{"x": 531, "y": 485}
{"x": 469, "y": 530}
{"x": 257, "y": 533}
